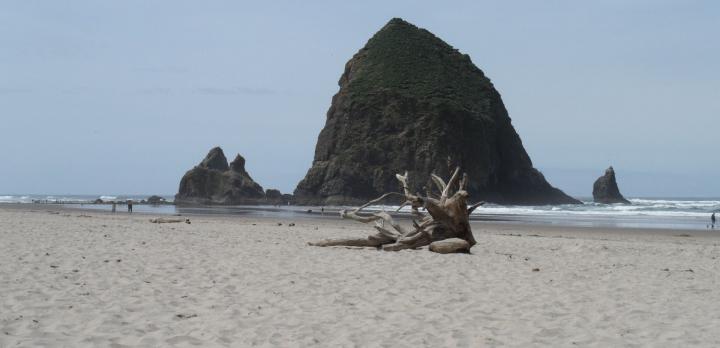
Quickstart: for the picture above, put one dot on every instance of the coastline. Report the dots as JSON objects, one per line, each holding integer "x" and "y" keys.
{"x": 87, "y": 278}
{"x": 281, "y": 213}
{"x": 512, "y": 215}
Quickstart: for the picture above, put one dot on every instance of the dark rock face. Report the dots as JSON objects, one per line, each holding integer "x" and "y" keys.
{"x": 213, "y": 181}
{"x": 273, "y": 194}
{"x": 409, "y": 101}
{"x": 215, "y": 159}
{"x": 605, "y": 189}
{"x": 275, "y": 197}
{"x": 154, "y": 199}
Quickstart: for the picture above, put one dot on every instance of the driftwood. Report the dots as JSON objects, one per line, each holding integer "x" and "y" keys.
{"x": 450, "y": 245}
{"x": 447, "y": 217}
{"x": 169, "y": 220}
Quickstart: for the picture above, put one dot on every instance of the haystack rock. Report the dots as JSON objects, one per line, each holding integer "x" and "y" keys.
{"x": 409, "y": 101}
{"x": 213, "y": 181}
{"x": 605, "y": 189}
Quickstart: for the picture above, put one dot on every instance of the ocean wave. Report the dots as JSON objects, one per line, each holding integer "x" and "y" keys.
{"x": 71, "y": 198}
{"x": 639, "y": 207}
{"x": 8, "y": 199}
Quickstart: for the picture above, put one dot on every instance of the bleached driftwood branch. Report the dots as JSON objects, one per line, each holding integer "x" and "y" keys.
{"x": 447, "y": 220}
{"x": 169, "y": 220}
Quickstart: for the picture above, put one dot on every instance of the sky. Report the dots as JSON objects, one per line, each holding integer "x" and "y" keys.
{"x": 123, "y": 97}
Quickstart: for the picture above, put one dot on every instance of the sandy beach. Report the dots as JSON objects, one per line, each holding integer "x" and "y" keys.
{"x": 71, "y": 278}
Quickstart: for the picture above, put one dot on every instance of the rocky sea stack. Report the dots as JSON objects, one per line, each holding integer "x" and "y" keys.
{"x": 409, "y": 101}
{"x": 213, "y": 181}
{"x": 605, "y": 189}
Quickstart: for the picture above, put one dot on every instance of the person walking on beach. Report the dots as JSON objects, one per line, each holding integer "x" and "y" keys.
{"x": 712, "y": 220}
{"x": 114, "y": 205}
{"x": 129, "y": 206}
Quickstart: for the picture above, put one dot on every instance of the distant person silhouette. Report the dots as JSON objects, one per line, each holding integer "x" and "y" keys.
{"x": 712, "y": 220}
{"x": 114, "y": 205}
{"x": 129, "y": 206}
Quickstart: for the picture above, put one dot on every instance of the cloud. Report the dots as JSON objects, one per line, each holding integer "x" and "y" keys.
{"x": 235, "y": 91}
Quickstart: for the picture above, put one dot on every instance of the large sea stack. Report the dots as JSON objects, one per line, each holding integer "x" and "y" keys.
{"x": 409, "y": 101}
{"x": 605, "y": 189}
{"x": 213, "y": 181}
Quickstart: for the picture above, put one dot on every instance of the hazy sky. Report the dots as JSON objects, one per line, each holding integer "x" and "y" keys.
{"x": 112, "y": 97}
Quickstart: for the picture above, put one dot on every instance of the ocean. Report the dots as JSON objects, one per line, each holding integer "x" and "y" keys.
{"x": 73, "y": 199}
{"x": 666, "y": 213}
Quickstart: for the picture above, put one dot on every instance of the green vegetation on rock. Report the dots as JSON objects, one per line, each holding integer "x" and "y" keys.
{"x": 412, "y": 62}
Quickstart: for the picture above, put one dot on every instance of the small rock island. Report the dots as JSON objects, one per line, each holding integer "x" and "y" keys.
{"x": 214, "y": 181}
{"x": 605, "y": 189}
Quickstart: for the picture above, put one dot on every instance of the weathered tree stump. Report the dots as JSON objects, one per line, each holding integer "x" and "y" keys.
{"x": 447, "y": 217}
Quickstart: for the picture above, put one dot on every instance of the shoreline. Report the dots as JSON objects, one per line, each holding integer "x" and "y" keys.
{"x": 507, "y": 227}
{"x": 661, "y": 213}
{"x": 274, "y": 212}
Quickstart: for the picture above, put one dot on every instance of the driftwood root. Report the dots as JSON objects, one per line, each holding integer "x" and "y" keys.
{"x": 446, "y": 220}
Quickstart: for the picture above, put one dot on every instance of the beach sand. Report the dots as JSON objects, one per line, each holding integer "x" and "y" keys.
{"x": 75, "y": 278}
